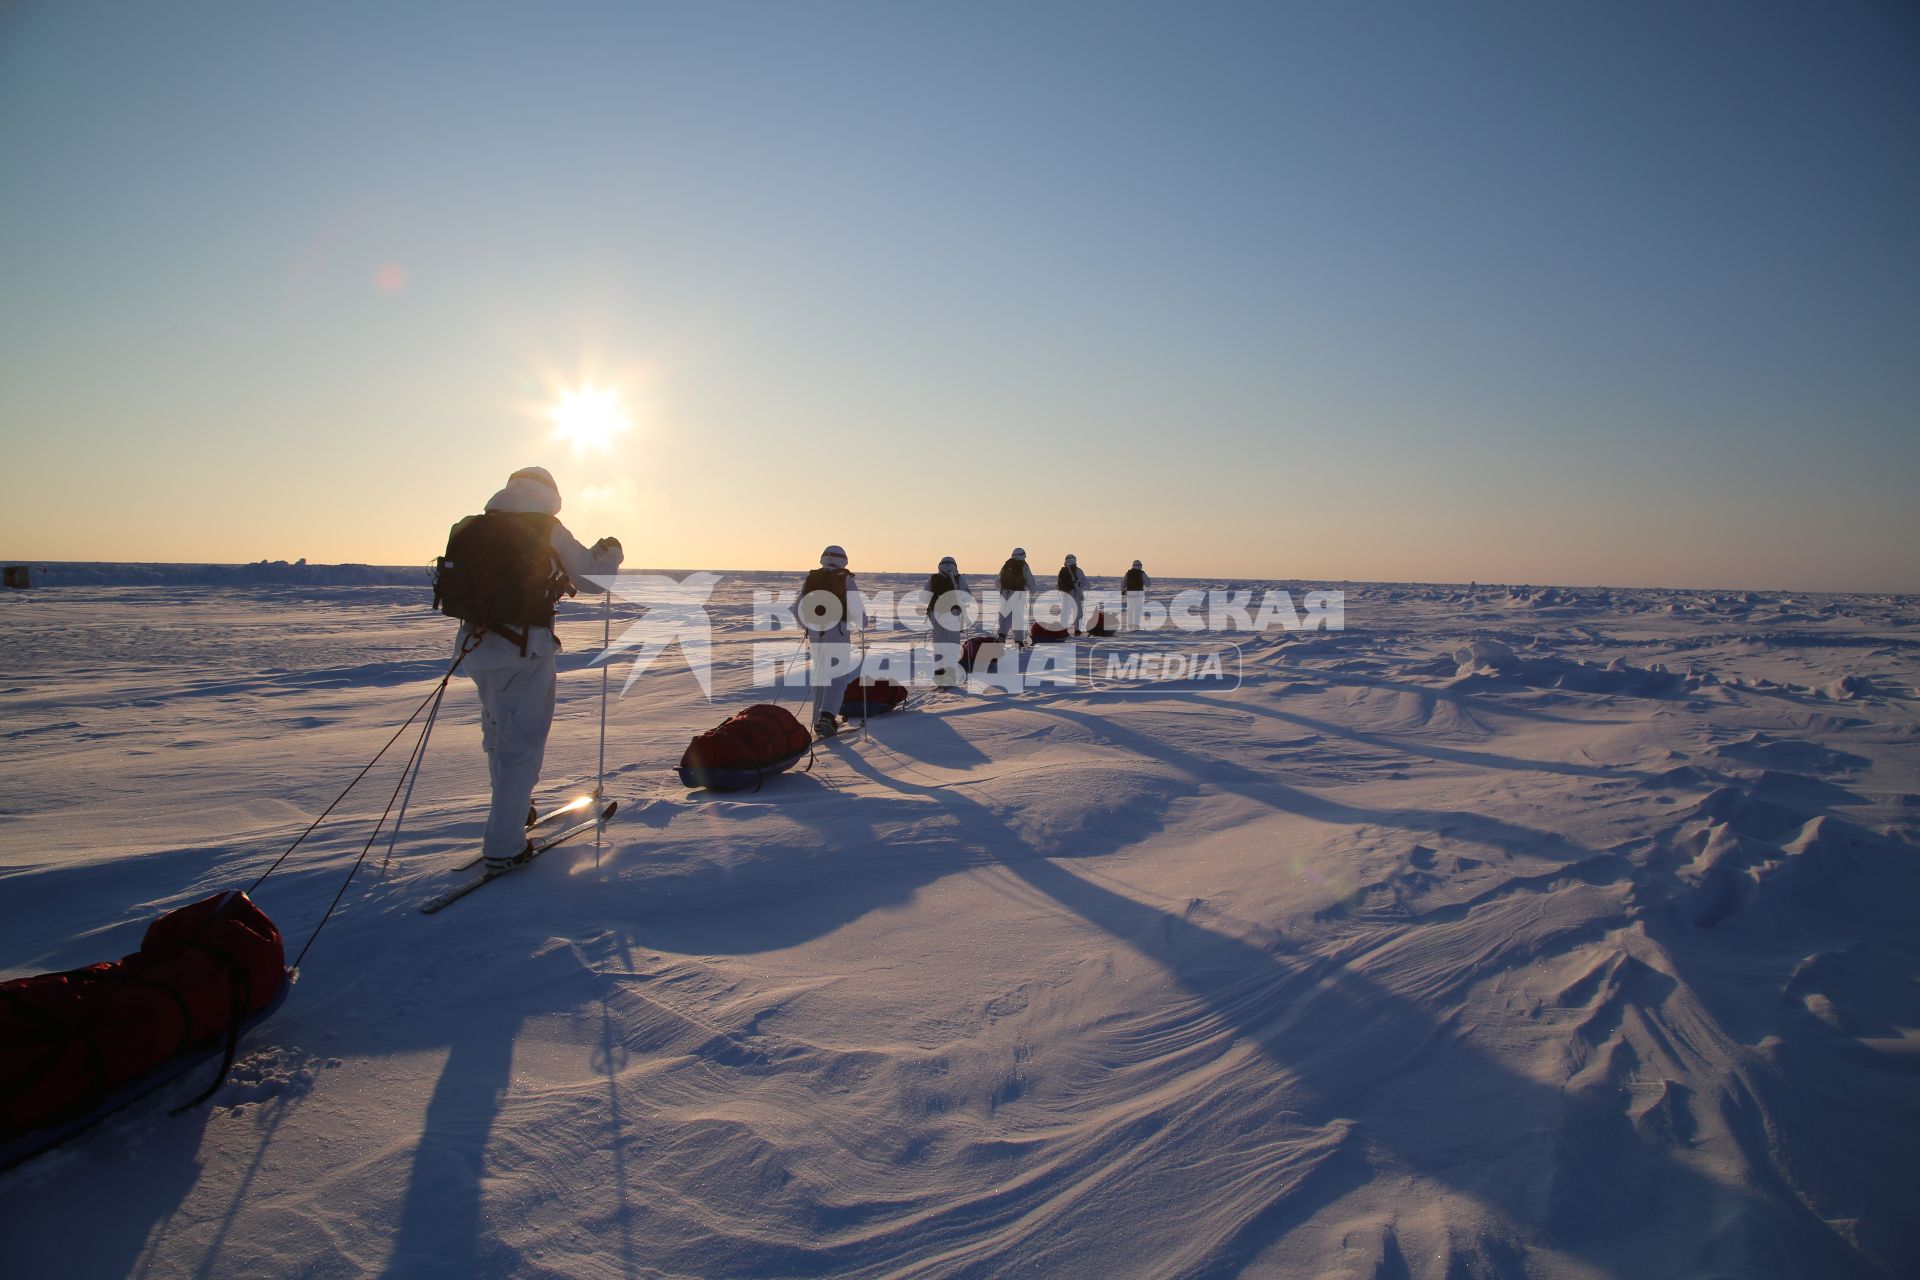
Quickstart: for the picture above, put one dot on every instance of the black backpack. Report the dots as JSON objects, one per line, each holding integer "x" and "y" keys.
{"x": 834, "y": 583}
{"x": 1066, "y": 580}
{"x": 499, "y": 574}
{"x": 1013, "y": 576}
{"x": 1136, "y": 580}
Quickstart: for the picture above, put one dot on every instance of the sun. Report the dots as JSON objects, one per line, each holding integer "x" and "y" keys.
{"x": 588, "y": 417}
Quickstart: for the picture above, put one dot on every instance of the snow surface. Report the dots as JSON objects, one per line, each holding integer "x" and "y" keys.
{"x": 1543, "y": 932}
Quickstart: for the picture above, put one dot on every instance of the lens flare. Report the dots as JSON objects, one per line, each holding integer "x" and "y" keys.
{"x": 588, "y": 417}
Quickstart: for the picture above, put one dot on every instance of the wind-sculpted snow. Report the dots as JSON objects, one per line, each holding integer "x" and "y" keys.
{"x": 1556, "y": 932}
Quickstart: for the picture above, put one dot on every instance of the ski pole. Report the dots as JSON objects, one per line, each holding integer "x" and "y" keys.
{"x": 863, "y": 675}
{"x": 606, "y": 642}
{"x": 419, "y": 761}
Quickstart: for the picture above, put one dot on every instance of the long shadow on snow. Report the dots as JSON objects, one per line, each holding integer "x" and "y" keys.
{"x": 1569, "y": 1165}
{"x": 40, "y": 937}
{"x": 1449, "y": 755}
{"x": 1466, "y": 702}
{"x": 747, "y": 908}
{"x": 274, "y": 1110}
{"x": 441, "y": 1231}
{"x": 113, "y": 1227}
{"x": 1512, "y": 837}
{"x": 933, "y": 741}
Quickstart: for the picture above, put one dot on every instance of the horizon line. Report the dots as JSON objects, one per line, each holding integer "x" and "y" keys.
{"x": 1337, "y": 582}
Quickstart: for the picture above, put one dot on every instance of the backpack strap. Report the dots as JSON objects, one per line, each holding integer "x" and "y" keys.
{"x": 478, "y": 630}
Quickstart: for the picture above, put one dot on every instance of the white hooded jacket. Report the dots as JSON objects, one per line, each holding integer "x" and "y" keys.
{"x": 524, "y": 493}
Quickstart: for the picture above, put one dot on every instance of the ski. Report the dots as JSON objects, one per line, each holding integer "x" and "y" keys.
{"x": 561, "y": 810}
{"x": 536, "y": 820}
{"x": 461, "y": 890}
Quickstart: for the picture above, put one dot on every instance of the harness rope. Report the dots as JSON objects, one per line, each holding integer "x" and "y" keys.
{"x": 474, "y": 636}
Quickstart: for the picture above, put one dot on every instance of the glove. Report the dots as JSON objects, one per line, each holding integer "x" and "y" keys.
{"x": 609, "y": 549}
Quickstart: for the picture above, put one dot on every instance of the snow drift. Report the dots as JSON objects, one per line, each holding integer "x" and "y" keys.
{"x": 1562, "y": 933}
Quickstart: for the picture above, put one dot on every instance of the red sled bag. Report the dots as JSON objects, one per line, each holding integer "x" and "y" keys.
{"x": 67, "y": 1040}
{"x": 981, "y": 649}
{"x": 745, "y": 749}
{"x": 1048, "y": 635}
{"x": 871, "y": 698}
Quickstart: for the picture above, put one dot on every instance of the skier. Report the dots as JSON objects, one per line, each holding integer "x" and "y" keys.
{"x": 1016, "y": 590}
{"x": 827, "y": 619}
{"x": 502, "y": 574}
{"x": 1073, "y": 585}
{"x": 946, "y": 613}
{"x": 1134, "y": 586}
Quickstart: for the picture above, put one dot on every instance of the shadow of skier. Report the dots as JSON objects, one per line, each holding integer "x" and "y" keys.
{"x": 441, "y": 1231}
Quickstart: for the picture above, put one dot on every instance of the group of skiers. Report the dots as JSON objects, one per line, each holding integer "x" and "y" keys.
{"x": 947, "y": 602}
{"x": 507, "y": 568}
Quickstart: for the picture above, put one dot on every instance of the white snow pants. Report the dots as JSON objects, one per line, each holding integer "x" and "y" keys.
{"x": 516, "y": 711}
{"x": 1013, "y": 617}
{"x": 1076, "y": 617}
{"x": 946, "y": 655}
{"x": 831, "y": 665}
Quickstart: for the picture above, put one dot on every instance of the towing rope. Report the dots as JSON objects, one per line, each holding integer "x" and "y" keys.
{"x": 405, "y": 771}
{"x": 473, "y": 639}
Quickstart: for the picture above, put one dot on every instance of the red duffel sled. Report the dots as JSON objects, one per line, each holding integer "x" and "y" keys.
{"x": 871, "y": 698}
{"x": 981, "y": 649}
{"x": 1048, "y": 635}
{"x": 69, "y": 1040}
{"x": 745, "y": 749}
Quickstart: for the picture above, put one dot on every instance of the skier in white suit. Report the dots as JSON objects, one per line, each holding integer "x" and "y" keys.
{"x": 1133, "y": 589}
{"x": 502, "y": 574}
{"x": 947, "y": 602}
{"x": 1016, "y": 592}
{"x": 1072, "y": 584}
{"x": 828, "y": 608}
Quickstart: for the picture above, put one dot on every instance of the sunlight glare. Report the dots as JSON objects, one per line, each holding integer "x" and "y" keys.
{"x": 588, "y": 417}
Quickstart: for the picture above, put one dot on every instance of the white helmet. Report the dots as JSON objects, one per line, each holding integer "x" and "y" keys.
{"x": 1071, "y": 560}
{"x": 834, "y": 557}
{"x": 1019, "y": 553}
{"x": 948, "y": 565}
{"x": 1136, "y": 564}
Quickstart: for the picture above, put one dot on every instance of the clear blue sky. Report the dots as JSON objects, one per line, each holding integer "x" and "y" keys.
{"x": 1623, "y": 293}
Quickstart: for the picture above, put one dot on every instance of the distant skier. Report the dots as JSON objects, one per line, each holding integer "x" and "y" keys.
{"x": 1073, "y": 585}
{"x": 947, "y": 598}
{"x": 1134, "y": 588}
{"x": 828, "y": 600}
{"x": 503, "y": 572}
{"x": 1016, "y": 591}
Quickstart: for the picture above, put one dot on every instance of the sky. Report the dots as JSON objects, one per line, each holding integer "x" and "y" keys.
{"x": 1621, "y": 293}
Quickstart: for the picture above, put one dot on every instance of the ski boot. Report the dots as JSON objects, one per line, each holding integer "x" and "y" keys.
{"x": 508, "y": 864}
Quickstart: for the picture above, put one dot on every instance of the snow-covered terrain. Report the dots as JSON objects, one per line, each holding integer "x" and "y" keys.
{"x": 1558, "y": 933}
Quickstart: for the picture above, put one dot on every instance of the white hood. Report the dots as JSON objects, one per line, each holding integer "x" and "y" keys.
{"x": 524, "y": 493}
